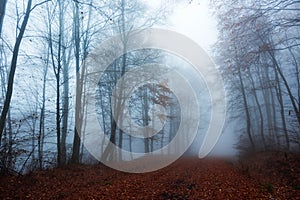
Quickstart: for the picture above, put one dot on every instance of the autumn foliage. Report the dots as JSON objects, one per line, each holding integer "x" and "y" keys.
{"x": 187, "y": 178}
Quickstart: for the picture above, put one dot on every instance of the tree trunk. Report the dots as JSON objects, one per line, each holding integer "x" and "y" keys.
{"x": 260, "y": 112}
{"x": 10, "y": 143}
{"x": 58, "y": 119}
{"x": 291, "y": 97}
{"x": 146, "y": 118}
{"x": 280, "y": 100}
{"x": 78, "y": 105}
{"x": 2, "y": 14}
{"x": 107, "y": 154}
{"x": 65, "y": 114}
{"x": 57, "y": 77}
{"x": 248, "y": 119}
{"x": 13, "y": 67}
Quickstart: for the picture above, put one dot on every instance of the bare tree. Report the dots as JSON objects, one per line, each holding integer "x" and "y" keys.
{"x": 13, "y": 67}
{"x": 78, "y": 104}
{"x": 82, "y": 38}
{"x": 263, "y": 36}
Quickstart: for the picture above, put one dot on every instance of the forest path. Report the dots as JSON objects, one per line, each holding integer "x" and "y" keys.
{"x": 187, "y": 178}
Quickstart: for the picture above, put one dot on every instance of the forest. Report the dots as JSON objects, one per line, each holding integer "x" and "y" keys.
{"x": 62, "y": 87}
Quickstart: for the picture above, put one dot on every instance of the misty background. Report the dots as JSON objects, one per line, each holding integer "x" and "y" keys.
{"x": 45, "y": 46}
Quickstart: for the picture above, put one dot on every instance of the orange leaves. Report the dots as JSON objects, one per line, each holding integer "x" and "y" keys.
{"x": 187, "y": 178}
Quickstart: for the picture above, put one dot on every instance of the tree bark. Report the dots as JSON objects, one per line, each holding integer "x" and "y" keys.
{"x": 260, "y": 112}
{"x": 78, "y": 105}
{"x": 248, "y": 120}
{"x": 2, "y": 14}
{"x": 65, "y": 70}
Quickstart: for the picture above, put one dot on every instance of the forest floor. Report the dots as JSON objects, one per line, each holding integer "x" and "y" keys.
{"x": 260, "y": 176}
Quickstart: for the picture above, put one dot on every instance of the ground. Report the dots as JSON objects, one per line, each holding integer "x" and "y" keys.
{"x": 187, "y": 178}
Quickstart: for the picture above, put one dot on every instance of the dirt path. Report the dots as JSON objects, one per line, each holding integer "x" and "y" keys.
{"x": 187, "y": 178}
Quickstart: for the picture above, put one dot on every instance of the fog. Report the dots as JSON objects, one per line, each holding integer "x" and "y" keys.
{"x": 149, "y": 99}
{"x": 71, "y": 87}
{"x": 195, "y": 20}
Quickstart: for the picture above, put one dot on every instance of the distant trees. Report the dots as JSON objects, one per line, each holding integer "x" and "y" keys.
{"x": 258, "y": 51}
{"x": 35, "y": 131}
{"x": 129, "y": 15}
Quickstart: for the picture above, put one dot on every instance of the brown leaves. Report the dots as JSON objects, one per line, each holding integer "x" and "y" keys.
{"x": 187, "y": 178}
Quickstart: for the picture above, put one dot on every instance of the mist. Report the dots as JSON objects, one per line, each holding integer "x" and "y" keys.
{"x": 162, "y": 99}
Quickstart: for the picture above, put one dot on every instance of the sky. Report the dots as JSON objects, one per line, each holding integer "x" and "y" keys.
{"x": 195, "y": 20}
{"x": 192, "y": 18}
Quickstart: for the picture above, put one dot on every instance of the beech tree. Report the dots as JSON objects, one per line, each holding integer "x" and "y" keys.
{"x": 262, "y": 36}
{"x": 36, "y": 126}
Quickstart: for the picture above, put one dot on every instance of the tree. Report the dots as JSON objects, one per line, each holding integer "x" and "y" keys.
{"x": 82, "y": 35}
{"x": 61, "y": 50}
{"x": 3, "y": 56}
{"x": 13, "y": 67}
{"x": 261, "y": 40}
{"x": 41, "y": 135}
{"x": 78, "y": 104}
{"x": 2, "y": 14}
